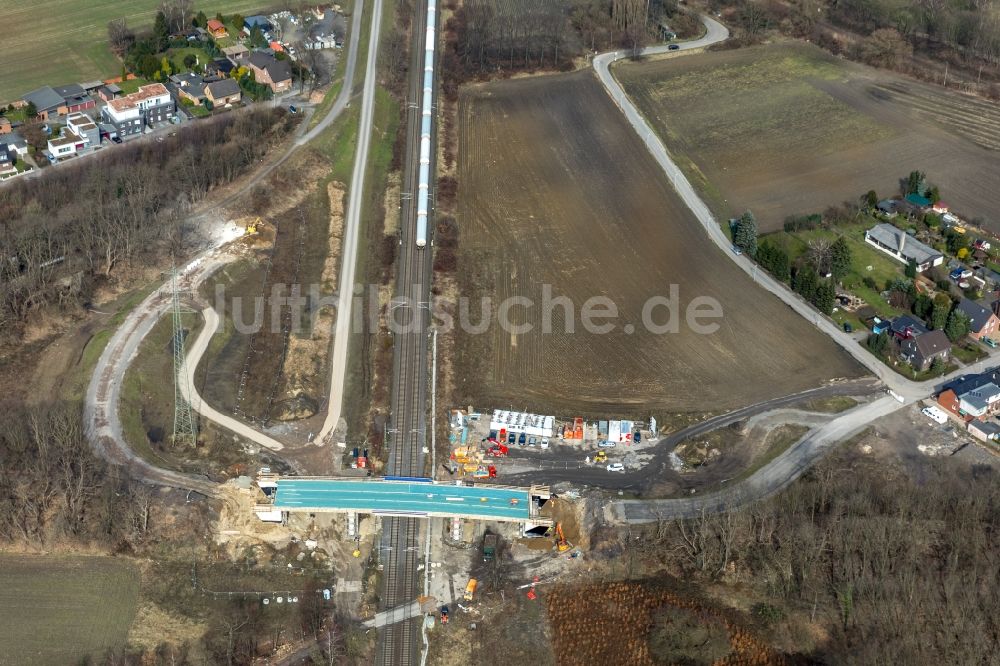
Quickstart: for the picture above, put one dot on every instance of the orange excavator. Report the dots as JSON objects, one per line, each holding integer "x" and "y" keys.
{"x": 561, "y": 542}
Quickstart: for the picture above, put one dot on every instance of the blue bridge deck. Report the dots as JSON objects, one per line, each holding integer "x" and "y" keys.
{"x": 402, "y": 498}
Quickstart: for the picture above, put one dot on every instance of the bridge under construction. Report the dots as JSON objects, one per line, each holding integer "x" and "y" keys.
{"x": 399, "y": 496}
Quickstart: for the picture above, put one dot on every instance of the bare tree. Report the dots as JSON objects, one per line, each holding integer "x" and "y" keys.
{"x": 120, "y": 37}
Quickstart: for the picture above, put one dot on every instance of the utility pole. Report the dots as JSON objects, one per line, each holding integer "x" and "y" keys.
{"x": 185, "y": 428}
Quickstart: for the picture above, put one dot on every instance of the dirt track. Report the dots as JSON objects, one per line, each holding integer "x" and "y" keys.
{"x": 589, "y": 214}
{"x": 786, "y": 129}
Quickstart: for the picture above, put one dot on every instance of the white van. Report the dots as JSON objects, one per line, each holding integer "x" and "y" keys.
{"x": 935, "y": 414}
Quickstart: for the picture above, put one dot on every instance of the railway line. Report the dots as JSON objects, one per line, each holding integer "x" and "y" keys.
{"x": 407, "y": 429}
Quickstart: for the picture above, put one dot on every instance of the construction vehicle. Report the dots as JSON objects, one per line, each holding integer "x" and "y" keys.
{"x": 489, "y": 546}
{"x": 561, "y": 542}
{"x": 444, "y": 615}
{"x": 498, "y": 451}
{"x": 470, "y": 589}
{"x": 485, "y": 472}
{"x": 252, "y": 226}
{"x": 601, "y": 457}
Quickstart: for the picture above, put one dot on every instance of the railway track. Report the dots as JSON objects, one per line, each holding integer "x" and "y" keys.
{"x": 407, "y": 429}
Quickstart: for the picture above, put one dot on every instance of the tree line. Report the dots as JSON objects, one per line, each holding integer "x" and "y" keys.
{"x": 54, "y": 488}
{"x": 85, "y": 223}
{"x": 896, "y": 571}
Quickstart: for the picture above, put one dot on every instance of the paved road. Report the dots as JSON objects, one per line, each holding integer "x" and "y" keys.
{"x": 772, "y": 478}
{"x": 788, "y": 466}
{"x": 190, "y": 391}
{"x": 352, "y": 224}
{"x": 581, "y": 473}
{"x": 100, "y": 410}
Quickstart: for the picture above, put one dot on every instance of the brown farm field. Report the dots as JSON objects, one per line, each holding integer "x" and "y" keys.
{"x": 555, "y": 189}
{"x": 786, "y": 129}
{"x": 63, "y": 609}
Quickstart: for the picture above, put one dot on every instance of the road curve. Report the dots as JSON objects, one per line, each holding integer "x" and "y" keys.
{"x": 789, "y": 465}
{"x": 352, "y": 224}
{"x": 716, "y": 32}
{"x": 101, "y": 401}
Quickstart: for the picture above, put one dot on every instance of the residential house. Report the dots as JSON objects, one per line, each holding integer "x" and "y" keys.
{"x": 887, "y": 207}
{"x": 15, "y": 143}
{"x": 983, "y": 323}
{"x": 941, "y": 208}
{"x": 109, "y": 92}
{"x": 8, "y": 160}
{"x": 5, "y": 126}
{"x": 988, "y": 431}
{"x": 222, "y": 67}
{"x": 236, "y": 54}
{"x": 258, "y": 21}
{"x": 75, "y": 98}
{"x": 91, "y": 87}
{"x": 221, "y": 93}
{"x": 48, "y": 103}
{"x": 84, "y": 127}
{"x": 276, "y": 47}
{"x": 907, "y": 327}
{"x": 902, "y": 247}
{"x": 190, "y": 86}
{"x": 276, "y": 74}
{"x": 217, "y": 29}
{"x": 982, "y": 244}
{"x": 879, "y": 325}
{"x": 130, "y": 114}
{"x": 66, "y": 144}
{"x": 922, "y": 350}
{"x": 972, "y": 396}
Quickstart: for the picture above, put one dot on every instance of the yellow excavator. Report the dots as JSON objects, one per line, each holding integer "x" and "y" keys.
{"x": 252, "y": 226}
{"x": 601, "y": 456}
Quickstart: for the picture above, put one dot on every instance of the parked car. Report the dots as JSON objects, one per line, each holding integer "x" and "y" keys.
{"x": 116, "y": 139}
{"x": 533, "y": 441}
{"x": 674, "y": 47}
{"x": 545, "y": 442}
{"x": 616, "y": 467}
{"x": 848, "y": 328}
{"x": 990, "y": 342}
{"x": 637, "y": 438}
{"x": 293, "y": 109}
{"x": 605, "y": 444}
{"x": 522, "y": 439}
{"x": 737, "y": 251}
{"x": 511, "y": 438}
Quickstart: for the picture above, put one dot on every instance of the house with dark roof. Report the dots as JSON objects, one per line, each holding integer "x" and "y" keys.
{"x": 903, "y": 247}
{"x": 906, "y": 327}
{"x": 8, "y": 160}
{"x": 223, "y": 92}
{"x": 983, "y": 323}
{"x": 75, "y": 98}
{"x": 15, "y": 143}
{"x": 276, "y": 74}
{"x": 220, "y": 67}
{"x": 258, "y": 21}
{"x": 922, "y": 350}
{"x": 972, "y": 396}
{"x": 48, "y": 103}
{"x": 887, "y": 207}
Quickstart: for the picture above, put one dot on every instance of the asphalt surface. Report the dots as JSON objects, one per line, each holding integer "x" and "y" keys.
{"x": 797, "y": 459}
{"x": 578, "y": 472}
{"x": 352, "y": 225}
{"x": 100, "y": 410}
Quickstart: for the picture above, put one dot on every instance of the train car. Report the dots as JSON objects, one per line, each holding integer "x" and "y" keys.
{"x": 421, "y": 230}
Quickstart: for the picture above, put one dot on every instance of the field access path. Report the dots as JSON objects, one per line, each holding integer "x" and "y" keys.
{"x": 789, "y": 465}
{"x": 102, "y": 421}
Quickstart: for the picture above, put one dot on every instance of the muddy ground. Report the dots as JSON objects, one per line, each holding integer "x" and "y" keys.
{"x": 555, "y": 189}
{"x": 787, "y": 129}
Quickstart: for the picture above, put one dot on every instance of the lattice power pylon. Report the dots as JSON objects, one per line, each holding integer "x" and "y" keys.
{"x": 185, "y": 426}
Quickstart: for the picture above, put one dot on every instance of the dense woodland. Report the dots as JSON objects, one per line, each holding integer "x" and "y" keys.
{"x": 896, "y": 571}
{"x": 54, "y": 489}
{"x": 88, "y": 222}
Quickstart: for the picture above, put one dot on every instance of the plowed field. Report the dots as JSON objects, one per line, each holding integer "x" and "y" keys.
{"x": 786, "y": 129}
{"x": 556, "y": 189}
